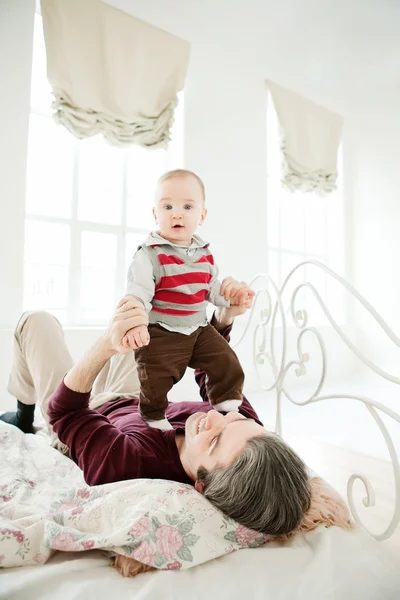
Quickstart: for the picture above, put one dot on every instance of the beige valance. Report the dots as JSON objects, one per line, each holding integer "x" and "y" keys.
{"x": 112, "y": 73}
{"x": 310, "y": 139}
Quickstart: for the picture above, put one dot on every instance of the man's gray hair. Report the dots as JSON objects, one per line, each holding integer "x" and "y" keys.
{"x": 265, "y": 489}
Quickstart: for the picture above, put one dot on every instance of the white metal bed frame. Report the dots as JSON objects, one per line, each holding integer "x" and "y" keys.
{"x": 264, "y": 349}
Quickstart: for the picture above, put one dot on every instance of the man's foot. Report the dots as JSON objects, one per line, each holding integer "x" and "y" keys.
{"x": 21, "y": 418}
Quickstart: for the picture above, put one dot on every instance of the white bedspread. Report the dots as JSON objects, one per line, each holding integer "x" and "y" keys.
{"x": 327, "y": 564}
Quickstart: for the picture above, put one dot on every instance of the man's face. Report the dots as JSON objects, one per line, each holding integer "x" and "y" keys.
{"x": 179, "y": 209}
{"x": 213, "y": 440}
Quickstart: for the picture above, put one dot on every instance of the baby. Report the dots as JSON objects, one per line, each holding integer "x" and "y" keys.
{"x": 174, "y": 275}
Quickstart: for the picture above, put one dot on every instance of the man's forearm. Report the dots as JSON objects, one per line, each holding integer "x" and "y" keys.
{"x": 82, "y": 375}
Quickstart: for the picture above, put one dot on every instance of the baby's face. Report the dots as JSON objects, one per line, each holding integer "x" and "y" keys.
{"x": 179, "y": 209}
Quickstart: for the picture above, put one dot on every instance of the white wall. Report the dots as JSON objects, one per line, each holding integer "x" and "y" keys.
{"x": 374, "y": 146}
{"x": 16, "y": 40}
{"x": 375, "y": 139}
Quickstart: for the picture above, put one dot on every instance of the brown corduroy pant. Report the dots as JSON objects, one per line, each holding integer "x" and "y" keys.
{"x": 163, "y": 362}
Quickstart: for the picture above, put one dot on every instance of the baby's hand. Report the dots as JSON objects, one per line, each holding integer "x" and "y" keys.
{"x": 237, "y": 292}
{"x": 136, "y": 338}
{"x": 243, "y": 298}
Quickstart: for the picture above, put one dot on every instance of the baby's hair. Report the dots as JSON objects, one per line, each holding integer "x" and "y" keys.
{"x": 183, "y": 173}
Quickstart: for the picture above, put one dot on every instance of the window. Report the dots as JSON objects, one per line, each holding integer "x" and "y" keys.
{"x": 303, "y": 226}
{"x": 88, "y": 206}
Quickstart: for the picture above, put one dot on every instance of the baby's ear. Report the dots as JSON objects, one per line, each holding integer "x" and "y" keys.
{"x": 203, "y": 216}
{"x": 199, "y": 486}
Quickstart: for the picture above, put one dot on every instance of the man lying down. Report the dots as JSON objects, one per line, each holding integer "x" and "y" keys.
{"x": 247, "y": 472}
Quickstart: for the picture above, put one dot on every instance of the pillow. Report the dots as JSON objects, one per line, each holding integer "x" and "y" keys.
{"x": 327, "y": 508}
{"x": 45, "y": 505}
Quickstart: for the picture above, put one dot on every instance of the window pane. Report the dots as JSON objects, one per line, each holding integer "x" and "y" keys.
{"x": 318, "y": 278}
{"x": 98, "y": 275}
{"x": 100, "y": 181}
{"x": 316, "y": 240}
{"x": 273, "y": 266}
{"x": 47, "y": 247}
{"x": 46, "y": 288}
{"x": 335, "y": 299}
{"x": 292, "y": 222}
{"x": 273, "y": 217}
{"x": 47, "y": 243}
{"x": 50, "y": 168}
{"x": 97, "y": 294}
{"x": 289, "y": 261}
{"x": 99, "y": 249}
{"x": 335, "y": 231}
{"x": 145, "y": 167}
{"x": 133, "y": 240}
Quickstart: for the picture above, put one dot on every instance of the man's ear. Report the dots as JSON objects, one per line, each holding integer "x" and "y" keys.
{"x": 199, "y": 486}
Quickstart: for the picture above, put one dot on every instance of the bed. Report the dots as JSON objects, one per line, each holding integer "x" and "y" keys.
{"x": 327, "y": 563}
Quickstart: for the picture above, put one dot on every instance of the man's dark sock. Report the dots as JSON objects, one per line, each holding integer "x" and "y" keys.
{"x": 21, "y": 418}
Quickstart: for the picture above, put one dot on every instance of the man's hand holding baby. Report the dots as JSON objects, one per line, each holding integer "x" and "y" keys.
{"x": 137, "y": 337}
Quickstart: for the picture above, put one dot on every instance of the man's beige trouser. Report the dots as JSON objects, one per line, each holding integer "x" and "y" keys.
{"x": 41, "y": 360}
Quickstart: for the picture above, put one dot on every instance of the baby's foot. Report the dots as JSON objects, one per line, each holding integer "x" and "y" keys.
{"x": 228, "y": 406}
{"x": 163, "y": 424}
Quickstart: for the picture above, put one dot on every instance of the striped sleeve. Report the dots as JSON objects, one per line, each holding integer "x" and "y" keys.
{"x": 140, "y": 283}
{"x": 214, "y": 295}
